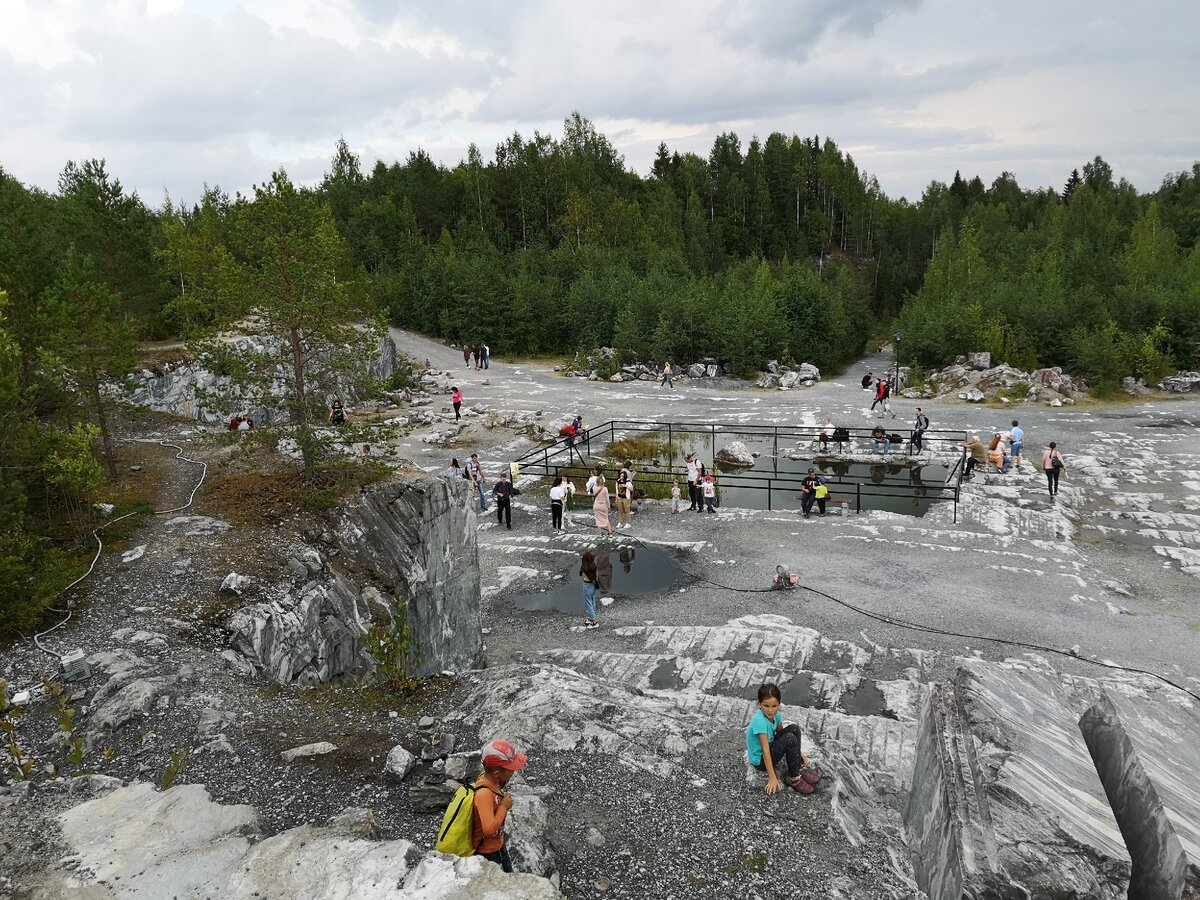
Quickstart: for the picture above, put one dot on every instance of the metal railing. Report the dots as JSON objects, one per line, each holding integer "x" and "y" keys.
{"x": 577, "y": 455}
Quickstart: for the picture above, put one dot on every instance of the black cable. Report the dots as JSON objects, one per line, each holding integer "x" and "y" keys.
{"x": 929, "y": 629}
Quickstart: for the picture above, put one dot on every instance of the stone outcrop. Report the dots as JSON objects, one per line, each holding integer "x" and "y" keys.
{"x": 1180, "y": 382}
{"x": 735, "y": 454}
{"x": 310, "y": 635}
{"x": 416, "y": 535}
{"x": 180, "y": 388}
{"x": 136, "y": 842}
{"x": 975, "y": 384}
{"x": 785, "y": 378}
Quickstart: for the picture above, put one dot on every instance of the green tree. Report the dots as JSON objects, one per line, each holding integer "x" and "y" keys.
{"x": 92, "y": 338}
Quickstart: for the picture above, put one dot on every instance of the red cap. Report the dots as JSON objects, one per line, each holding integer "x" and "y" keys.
{"x": 500, "y": 754}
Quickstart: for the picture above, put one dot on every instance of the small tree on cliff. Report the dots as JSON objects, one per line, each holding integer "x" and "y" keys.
{"x": 287, "y": 277}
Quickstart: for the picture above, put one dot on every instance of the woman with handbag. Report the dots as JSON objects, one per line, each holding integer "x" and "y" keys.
{"x": 1052, "y": 463}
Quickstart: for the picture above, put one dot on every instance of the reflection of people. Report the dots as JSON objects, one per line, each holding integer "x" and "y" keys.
{"x": 603, "y": 571}
{"x": 626, "y": 556}
{"x": 878, "y": 471}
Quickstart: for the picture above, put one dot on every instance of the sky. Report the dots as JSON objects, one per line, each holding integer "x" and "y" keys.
{"x": 176, "y": 94}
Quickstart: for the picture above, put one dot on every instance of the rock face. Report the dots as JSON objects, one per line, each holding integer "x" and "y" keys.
{"x": 1180, "y": 383}
{"x": 136, "y": 842}
{"x": 308, "y": 636}
{"x": 416, "y": 534}
{"x": 735, "y": 454}
{"x": 179, "y": 389}
{"x": 1005, "y": 800}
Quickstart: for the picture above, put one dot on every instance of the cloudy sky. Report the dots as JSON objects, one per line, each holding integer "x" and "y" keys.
{"x": 177, "y": 93}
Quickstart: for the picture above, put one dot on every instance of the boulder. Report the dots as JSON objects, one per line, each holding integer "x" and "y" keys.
{"x": 136, "y": 842}
{"x": 399, "y": 763}
{"x": 735, "y": 454}
{"x": 767, "y": 380}
{"x": 235, "y": 585}
{"x": 712, "y": 370}
{"x": 979, "y": 361}
{"x": 974, "y": 395}
{"x": 697, "y": 370}
{"x": 320, "y": 748}
{"x": 788, "y": 380}
{"x": 417, "y": 535}
{"x": 808, "y": 372}
{"x": 1180, "y": 383}
{"x": 309, "y": 636}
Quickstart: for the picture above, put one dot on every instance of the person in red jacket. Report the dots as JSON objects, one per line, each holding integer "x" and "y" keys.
{"x": 492, "y": 802}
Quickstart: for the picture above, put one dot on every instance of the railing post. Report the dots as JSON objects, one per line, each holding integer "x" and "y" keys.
{"x": 670, "y": 447}
{"x": 775, "y": 455}
{"x": 857, "y": 497}
{"x": 769, "y": 483}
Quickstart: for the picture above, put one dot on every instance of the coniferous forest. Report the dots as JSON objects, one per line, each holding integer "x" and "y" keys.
{"x": 774, "y": 249}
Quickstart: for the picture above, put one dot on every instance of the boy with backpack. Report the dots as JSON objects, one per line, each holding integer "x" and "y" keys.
{"x": 483, "y": 831}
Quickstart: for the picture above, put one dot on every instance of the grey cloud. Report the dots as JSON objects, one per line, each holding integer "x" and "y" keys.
{"x": 790, "y": 30}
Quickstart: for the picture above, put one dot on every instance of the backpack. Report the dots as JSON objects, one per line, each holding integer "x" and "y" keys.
{"x": 454, "y": 837}
{"x": 922, "y": 421}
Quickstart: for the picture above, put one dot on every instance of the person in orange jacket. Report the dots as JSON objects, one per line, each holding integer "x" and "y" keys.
{"x": 492, "y": 802}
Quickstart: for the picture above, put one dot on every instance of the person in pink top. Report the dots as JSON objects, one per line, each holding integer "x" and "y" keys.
{"x": 456, "y": 399}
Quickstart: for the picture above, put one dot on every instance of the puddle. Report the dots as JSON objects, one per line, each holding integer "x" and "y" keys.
{"x": 800, "y": 691}
{"x": 622, "y": 571}
{"x": 665, "y": 676}
{"x": 865, "y": 700}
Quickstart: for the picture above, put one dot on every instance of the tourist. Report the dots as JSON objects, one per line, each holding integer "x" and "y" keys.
{"x": 995, "y": 454}
{"x": 337, "y": 415}
{"x": 826, "y": 431}
{"x": 479, "y": 357}
{"x": 700, "y": 476}
{"x": 503, "y": 492}
{"x": 601, "y": 506}
{"x": 487, "y": 354}
{"x": 456, "y": 402}
{"x": 880, "y": 394}
{"x": 454, "y": 470}
{"x": 866, "y": 381}
{"x": 491, "y": 803}
{"x": 596, "y": 476}
{"x": 676, "y": 496}
{"x": 841, "y": 437}
{"x": 808, "y": 491}
{"x": 920, "y": 426}
{"x": 690, "y": 459}
{"x": 587, "y": 571}
{"x": 366, "y": 451}
{"x": 880, "y": 438}
{"x": 629, "y": 473}
{"x": 978, "y": 457}
{"x": 1018, "y": 439}
{"x": 475, "y": 470}
{"x": 234, "y": 422}
{"x": 467, "y": 355}
{"x": 558, "y": 495}
{"x": 624, "y": 501}
{"x": 569, "y": 499}
{"x": 666, "y": 375}
{"x": 769, "y": 742}
{"x": 245, "y": 424}
{"x": 1053, "y": 465}
{"x": 710, "y": 493}
{"x": 822, "y": 494}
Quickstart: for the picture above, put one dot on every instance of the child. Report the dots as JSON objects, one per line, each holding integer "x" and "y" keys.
{"x": 587, "y": 571}
{"x": 767, "y": 743}
{"x": 710, "y": 493}
{"x": 676, "y": 496}
{"x": 490, "y": 804}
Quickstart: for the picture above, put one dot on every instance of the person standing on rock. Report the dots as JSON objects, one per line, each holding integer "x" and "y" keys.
{"x": 475, "y": 470}
{"x": 667, "y": 372}
{"x": 920, "y": 426}
{"x": 587, "y": 571}
{"x": 491, "y": 802}
{"x": 690, "y": 459}
{"x": 601, "y": 506}
{"x": 503, "y": 492}
{"x": 1053, "y": 465}
{"x": 454, "y": 470}
{"x": 1018, "y": 440}
{"x": 456, "y": 402}
{"x": 558, "y": 495}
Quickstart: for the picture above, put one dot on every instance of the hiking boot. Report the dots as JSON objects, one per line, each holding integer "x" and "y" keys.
{"x": 810, "y": 777}
{"x": 799, "y": 785}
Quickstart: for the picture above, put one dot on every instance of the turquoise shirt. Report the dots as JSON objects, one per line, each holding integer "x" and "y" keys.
{"x": 760, "y": 724}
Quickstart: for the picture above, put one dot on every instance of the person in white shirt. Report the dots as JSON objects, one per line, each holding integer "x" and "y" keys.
{"x": 592, "y": 481}
{"x": 568, "y": 487}
{"x": 558, "y": 494}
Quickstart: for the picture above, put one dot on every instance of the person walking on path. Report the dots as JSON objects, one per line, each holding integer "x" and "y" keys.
{"x": 601, "y": 506}
{"x": 558, "y": 495}
{"x": 666, "y": 375}
{"x": 491, "y": 802}
{"x": 587, "y": 571}
{"x": 503, "y": 492}
{"x": 456, "y": 401}
{"x": 710, "y": 493}
{"x": 1053, "y": 465}
{"x": 690, "y": 459}
{"x": 920, "y": 426}
{"x": 479, "y": 357}
{"x": 487, "y": 355}
{"x": 880, "y": 394}
{"x": 475, "y": 471}
{"x": 676, "y": 496}
{"x": 467, "y": 355}
{"x": 1018, "y": 440}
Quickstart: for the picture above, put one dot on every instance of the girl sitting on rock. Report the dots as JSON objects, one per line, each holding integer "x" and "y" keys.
{"x": 769, "y": 741}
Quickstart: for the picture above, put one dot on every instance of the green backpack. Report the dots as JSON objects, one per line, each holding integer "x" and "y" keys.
{"x": 454, "y": 837}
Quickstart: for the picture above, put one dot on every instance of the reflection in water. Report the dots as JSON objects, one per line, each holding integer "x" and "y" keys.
{"x": 626, "y": 556}
{"x": 655, "y": 571}
{"x": 604, "y": 570}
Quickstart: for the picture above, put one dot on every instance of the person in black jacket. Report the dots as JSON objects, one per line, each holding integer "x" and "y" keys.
{"x": 503, "y": 492}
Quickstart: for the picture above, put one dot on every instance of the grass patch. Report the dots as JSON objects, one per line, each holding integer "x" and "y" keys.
{"x": 644, "y": 448}
{"x": 215, "y": 611}
{"x": 254, "y": 498}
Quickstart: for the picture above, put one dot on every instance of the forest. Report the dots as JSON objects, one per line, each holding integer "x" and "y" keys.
{"x": 776, "y": 249}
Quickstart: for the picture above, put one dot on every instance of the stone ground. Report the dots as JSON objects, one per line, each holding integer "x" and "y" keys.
{"x": 1104, "y": 569}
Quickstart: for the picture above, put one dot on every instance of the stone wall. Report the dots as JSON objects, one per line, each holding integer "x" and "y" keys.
{"x": 416, "y": 534}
